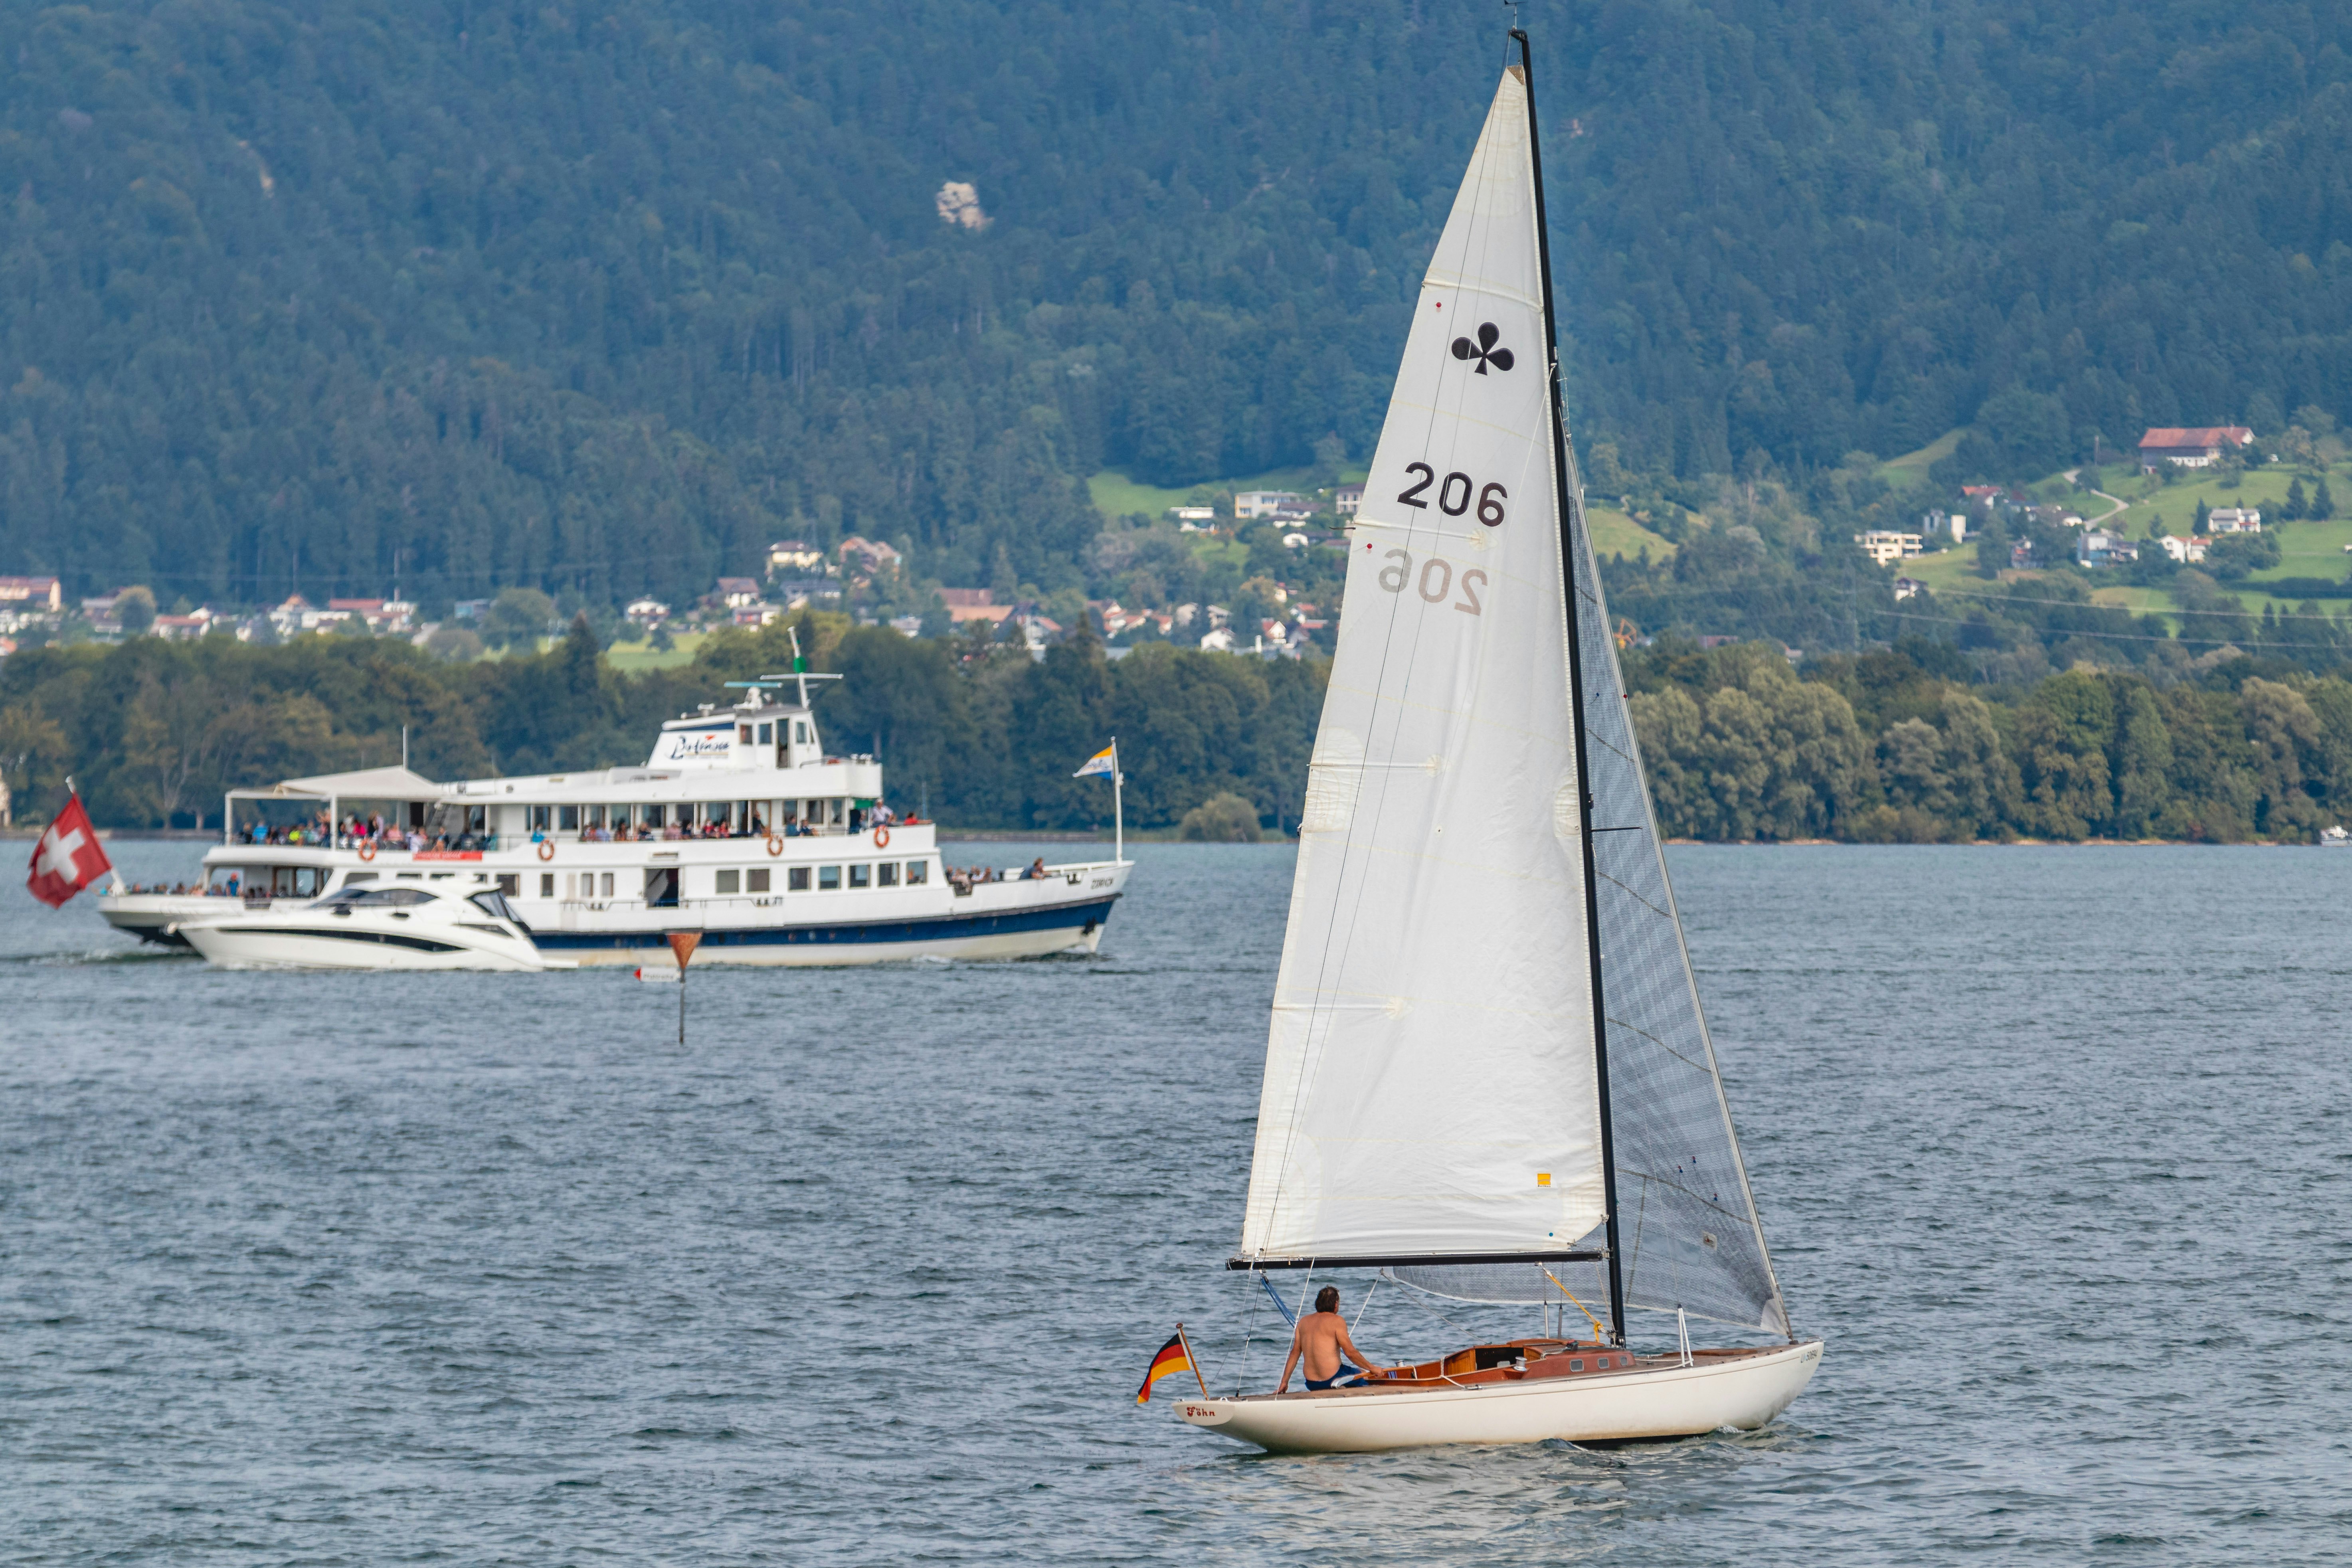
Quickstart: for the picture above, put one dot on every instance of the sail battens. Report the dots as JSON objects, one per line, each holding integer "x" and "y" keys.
{"x": 1691, "y": 1061}
{"x": 1630, "y": 893}
{"x": 1418, "y": 529}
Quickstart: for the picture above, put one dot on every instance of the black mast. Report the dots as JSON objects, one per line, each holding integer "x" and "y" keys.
{"x": 1566, "y": 500}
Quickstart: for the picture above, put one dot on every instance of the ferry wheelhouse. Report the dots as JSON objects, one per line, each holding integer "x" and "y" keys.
{"x": 740, "y": 826}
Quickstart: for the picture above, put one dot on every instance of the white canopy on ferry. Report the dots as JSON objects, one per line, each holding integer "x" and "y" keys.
{"x": 367, "y": 784}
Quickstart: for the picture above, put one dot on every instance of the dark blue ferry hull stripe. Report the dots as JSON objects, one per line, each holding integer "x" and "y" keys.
{"x": 940, "y": 928}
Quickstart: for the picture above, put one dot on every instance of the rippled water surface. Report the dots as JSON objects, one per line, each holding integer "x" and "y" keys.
{"x": 2051, "y": 1146}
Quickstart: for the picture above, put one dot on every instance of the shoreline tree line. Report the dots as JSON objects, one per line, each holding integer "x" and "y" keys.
{"x": 971, "y": 729}
{"x": 1906, "y": 743}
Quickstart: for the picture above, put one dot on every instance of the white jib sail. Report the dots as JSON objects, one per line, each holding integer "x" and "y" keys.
{"x": 1430, "y": 1083}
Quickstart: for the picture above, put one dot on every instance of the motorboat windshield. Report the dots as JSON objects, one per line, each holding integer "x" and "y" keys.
{"x": 495, "y": 905}
{"x": 376, "y": 898}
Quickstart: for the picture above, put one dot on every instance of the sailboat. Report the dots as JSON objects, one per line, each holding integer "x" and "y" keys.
{"x": 1487, "y": 1075}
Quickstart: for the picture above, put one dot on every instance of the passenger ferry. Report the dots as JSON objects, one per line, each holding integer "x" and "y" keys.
{"x": 739, "y": 827}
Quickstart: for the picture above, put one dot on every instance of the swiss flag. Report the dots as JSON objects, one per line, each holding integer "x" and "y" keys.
{"x": 67, "y": 858}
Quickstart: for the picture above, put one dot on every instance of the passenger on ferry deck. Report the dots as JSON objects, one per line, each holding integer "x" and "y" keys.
{"x": 758, "y": 825}
{"x": 1036, "y": 870}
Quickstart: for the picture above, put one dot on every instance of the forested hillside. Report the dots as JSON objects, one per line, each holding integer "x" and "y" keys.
{"x": 598, "y": 299}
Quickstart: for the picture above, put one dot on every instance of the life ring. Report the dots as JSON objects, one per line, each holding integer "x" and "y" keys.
{"x": 547, "y": 848}
{"x": 881, "y": 839}
{"x": 367, "y": 849}
{"x": 775, "y": 844}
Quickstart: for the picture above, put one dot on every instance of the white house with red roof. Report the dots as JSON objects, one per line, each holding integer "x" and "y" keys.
{"x": 2191, "y": 446}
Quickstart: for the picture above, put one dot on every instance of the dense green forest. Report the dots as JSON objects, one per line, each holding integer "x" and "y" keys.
{"x": 1903, "y": 744}
{"x": 973, "y": 731}
{"x": 597, "y": 298}
{"x": 1898, "y": 746}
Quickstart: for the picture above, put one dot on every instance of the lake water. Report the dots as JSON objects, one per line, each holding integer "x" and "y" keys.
{"x": 2051, "y": 1146}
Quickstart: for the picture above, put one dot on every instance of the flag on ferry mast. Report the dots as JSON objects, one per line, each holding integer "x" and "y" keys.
{"x": 1102, "y": 761}
{"x": 68, "y": 858}
{"x": 1175, "y": 1356}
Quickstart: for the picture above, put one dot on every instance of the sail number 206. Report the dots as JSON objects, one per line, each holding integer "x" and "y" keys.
{"x": 1454, "y": 496}
{"x": 1435, "y": 581}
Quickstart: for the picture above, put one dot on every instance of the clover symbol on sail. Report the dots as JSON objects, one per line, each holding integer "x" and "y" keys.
{"x": 1484, "y": 351}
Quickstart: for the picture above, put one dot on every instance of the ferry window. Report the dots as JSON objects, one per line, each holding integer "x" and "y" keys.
{"x": 918, "y": 872}
{"x": 653, "y": 815}
{"x": 730, "y": 881}
{"x": 595, "y": 817}
{"x": 1575, "y": 1365}
{"x": 547, "y": 884}
{"x": 743, "y": 734}
{"x": 607, "y": 881}
{"x": 567, "y": 819}
{"x": 511, "y": 884}
{"x": 767, "y": 734}
{"x": 861, "y": 876}
{"x": 828, "y": 879}
{"x": 756, "y": 881}
{"x": 840, "y": 810}
{"x": 409, "y": 875}
{"x": 800, "y": 732}
{"x": 886, "y": 874}
{"x": 796, "y": 878}
{"x": 791, "y": 812}
{"x": 359, "y": 877}
{"x": 538, "y": 818}
{"x": 307, "y": 880}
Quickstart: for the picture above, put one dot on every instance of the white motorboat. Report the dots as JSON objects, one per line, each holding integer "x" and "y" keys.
{"x": 451, "y": 926}
{"x": 739, "y": 825}
{"x": 1487, "y": 1075}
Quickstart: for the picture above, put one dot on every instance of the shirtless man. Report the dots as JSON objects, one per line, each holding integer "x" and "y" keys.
{"x": 1321, "y": 1337}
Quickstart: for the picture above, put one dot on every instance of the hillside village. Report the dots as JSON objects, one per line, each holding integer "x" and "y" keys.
{"x": 2210, "y": 502}
{"x": 1252, "y": 572}
{"x": 1255, "y": 571}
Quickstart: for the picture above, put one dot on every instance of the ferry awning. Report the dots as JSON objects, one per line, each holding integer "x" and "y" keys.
{"x": 367, "y": 784}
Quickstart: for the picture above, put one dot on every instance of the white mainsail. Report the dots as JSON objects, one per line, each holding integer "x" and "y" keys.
{"x": 1431, "y": 1085}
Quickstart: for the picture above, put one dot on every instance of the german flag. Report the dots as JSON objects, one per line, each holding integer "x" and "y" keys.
{"x": 1175, "y": 1356}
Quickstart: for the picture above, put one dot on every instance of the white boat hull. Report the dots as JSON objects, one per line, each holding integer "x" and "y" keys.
{"x": 1650, "y": 1401}
{"x": 234, "y": 944}
{"x": 1064, "y": 911}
